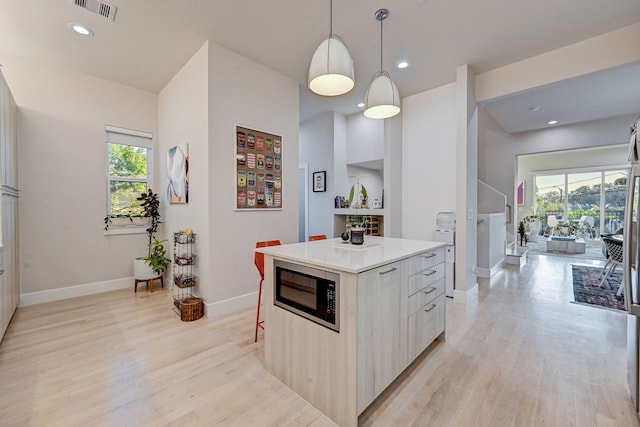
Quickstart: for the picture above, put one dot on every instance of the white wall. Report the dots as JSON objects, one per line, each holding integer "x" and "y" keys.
{"x": 183, "y": 114}
{"x": 491, "y": 243}
{"x": 393, "y": 176}
{"x": 316, "y": 150}
{"x": 62, "y": 157}
{"x": 496, "y": 156}
{"x": 331, "y": 142}
{"x": 365, "y": 139}
{"x": 365, "y": 154}
{"x": 340, "y": 140}
{"x": 246, "y": 93}
{"x": 428, "y": 160}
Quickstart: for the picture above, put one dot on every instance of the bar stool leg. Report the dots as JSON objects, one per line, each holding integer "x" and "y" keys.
{"x": 258, "y": 322}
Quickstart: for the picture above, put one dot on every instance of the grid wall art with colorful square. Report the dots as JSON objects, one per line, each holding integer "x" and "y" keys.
{"x": 258, "y": 169}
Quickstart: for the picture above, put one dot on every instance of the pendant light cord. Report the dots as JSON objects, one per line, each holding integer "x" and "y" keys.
{"x": 330, "y": 18}
{"x": 381, "y": 44}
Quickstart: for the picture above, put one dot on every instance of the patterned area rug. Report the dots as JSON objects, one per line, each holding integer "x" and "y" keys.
{"x": 586, "y": 288}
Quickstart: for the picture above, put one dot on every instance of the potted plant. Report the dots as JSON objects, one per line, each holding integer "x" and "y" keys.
{"x": 156, "y": 261}
{"x": 532, "y": 227}
{"x": 567, "y": 228}
{"x": 359, "y": 193}
{"x": 586, "y": 230}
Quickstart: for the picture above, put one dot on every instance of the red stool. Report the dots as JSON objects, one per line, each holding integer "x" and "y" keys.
{"x": 259, "y": 262}
{"x": 317, "y": 237}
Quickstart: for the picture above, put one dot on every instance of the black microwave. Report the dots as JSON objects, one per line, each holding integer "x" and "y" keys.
{"x": 308, "y": 292}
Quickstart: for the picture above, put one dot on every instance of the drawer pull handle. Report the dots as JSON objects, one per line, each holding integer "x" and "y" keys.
{"x": 430, "y": 290}
{"x": 388, "y": 271}
{"x": 430, "y": 308}
{"x": 431, "y": 255}
{"x": 430, "y": 273}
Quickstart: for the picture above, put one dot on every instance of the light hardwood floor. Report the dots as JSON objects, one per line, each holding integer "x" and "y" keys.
{"x": 524, "y": 355}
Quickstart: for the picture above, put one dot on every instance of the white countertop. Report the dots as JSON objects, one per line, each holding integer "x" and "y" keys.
{"x": 334, "y": 254}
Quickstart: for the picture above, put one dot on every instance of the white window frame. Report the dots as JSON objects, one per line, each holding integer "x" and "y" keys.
{"x": 566, "y": 172}
{"x": 123, "y": 136}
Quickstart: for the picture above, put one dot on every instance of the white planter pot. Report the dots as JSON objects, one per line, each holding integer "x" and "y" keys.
{"x": 141, "y": 271}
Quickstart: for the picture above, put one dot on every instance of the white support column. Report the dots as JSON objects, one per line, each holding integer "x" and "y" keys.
{"x": 466, "y": 186}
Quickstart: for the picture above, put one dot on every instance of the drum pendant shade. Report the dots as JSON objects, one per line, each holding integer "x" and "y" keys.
{"x": 331, "y": 70}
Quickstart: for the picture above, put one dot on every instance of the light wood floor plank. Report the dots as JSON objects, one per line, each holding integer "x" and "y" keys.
{"x": 524, "y": 355}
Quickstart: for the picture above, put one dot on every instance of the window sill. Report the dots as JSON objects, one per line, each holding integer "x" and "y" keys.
{"x": 114, "y": 231}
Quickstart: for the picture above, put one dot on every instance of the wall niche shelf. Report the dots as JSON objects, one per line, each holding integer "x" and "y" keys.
{"x": 373, "y": 220}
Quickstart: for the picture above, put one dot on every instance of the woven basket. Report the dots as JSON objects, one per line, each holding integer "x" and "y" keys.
{"x": 191, "y": 309}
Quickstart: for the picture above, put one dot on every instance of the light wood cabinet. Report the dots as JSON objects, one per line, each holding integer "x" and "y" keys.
{"x": 389, "y": 313}
{"x": 401, "y": 310}
{"x": 426, "y": 300}
{"x": 381, "y": 347}
{"x": 9, "y": 283}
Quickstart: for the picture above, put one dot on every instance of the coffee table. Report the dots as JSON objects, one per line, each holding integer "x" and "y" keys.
{"x": 576, "y": 246}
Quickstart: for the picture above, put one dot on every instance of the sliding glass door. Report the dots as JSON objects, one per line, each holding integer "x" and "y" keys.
{"x": 595, "y": 198}
{"x": 550, "y": 192}
{"x": 584, "y": 200}
{"x": 614, "y": 199}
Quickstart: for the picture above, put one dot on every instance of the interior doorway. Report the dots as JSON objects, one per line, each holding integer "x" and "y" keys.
{"x": 571, "y": 194}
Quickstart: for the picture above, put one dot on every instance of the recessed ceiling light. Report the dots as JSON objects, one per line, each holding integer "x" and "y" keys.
{"x": 534, "y": 108}
{"x": 552, "y": 122}
{"x": 360, "y": 104}
{"x": 403, "y": 64}
{"x": 81, "y": 29}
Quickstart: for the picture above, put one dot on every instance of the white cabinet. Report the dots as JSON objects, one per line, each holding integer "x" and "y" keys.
{"x": 381, "y": 347}
{"x": 9, "y": 283}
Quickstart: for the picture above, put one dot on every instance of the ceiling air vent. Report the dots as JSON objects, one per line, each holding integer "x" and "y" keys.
{"x": 97, "y": 6}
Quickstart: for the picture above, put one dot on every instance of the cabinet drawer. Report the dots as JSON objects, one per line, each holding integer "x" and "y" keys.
{"x": 426, "y": 277}
{"x": 425, "y": 325}
{"x": 424, "y": 260}
{"x": 425, "y": 296}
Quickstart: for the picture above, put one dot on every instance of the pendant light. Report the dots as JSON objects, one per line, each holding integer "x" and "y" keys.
{"x": 331, "y": 70}
{"x": 382, "y": 100}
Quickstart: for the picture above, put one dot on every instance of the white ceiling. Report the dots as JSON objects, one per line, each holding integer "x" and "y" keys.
{"x": 150, "y": 40}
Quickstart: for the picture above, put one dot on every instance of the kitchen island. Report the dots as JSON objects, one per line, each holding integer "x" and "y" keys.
{"x": 389, "y": 307}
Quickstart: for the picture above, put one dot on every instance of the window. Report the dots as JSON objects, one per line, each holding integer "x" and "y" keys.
{"x": 579, "y": 195}
{"x": 128, "y": 170}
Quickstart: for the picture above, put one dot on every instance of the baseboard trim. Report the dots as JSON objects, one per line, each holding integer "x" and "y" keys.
{"x": 488, "y": 273}
{"x": 228, "y": 305}
{"x": 466, "y": 297}
{"x": 50, "y": 295}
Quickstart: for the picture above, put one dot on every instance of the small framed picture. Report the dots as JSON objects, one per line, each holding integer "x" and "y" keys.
{"x": 319, "y": 181}
{"x": 520, "y": 194}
